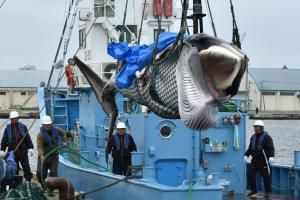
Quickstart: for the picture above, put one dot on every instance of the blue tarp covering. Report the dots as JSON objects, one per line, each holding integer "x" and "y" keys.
{"x": 136, "y": 57}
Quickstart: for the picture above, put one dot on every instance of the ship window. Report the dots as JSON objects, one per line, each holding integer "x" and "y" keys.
{"x": 2, "y": 93}
{"x": 165, "y": 131}
{"x": 129, "y": 32}
{"x": 23, "y": 93}
{"x": 82, "y": 41}
{"x": 156, "y": 32}
{"x": 104, "y": 9}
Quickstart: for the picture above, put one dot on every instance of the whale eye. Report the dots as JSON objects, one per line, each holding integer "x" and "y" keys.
{"x": 165, "y": 131}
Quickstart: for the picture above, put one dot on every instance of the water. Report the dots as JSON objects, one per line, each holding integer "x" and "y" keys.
{"x": 283, "y": 132}
{"x": 285, "y": 138}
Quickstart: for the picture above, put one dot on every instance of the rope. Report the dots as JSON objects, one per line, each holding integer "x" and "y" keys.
{"x": 141, "y": 26}
{"x": 121, "y": 38}
{"x": 154, "y": 52}
{"x": 235, "y": 32}
{"x": 110, "y": 184}
{"x": 68, "y": 150}
{"x": 190, "y": 190}
{"x": 2, "y": 3}
{"x": 84, "y": 39}
{"x": 211, "y": 18}
{"x": 60, "y": 42}
{"x": 179, "y": 38}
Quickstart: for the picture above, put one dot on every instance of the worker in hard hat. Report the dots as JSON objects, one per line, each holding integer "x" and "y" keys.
{"x": 262, "y": 150}
{"x": 8, "y": 168}
{"x": 121, "y": 145}
{"x": 48, "y": 140}
{"x": 16, "y": 138}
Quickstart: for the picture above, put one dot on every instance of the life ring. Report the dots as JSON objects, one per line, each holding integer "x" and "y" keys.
{"x": 70, "y": 76}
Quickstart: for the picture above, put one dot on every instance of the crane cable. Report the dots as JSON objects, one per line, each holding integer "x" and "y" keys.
{"x": 2, "y": 3}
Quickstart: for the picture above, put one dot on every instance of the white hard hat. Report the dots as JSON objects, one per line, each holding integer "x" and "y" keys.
{"x": 46, "y": 120}
{"x": 121, "y": 125}
{"x": 258, "y": 123}
{"x": 14, "y": 114}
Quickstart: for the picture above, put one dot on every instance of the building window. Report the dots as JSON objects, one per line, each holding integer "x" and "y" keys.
{"x": 82, "y": 39}
{"x": 104, "y": 9}
{"x": 267, "y": 93}
{"x": 2, "y": 93}
{"x": 23, "y": 93}
{"x": 287, "y": 93}
{"x": 156, "y": 33}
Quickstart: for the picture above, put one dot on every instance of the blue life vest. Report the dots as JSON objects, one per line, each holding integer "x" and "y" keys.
{"x": 260, "y": 141}
{"x": 117, "y": 141}
{"x": 47, "y": 137}
{"x": 9, "y": 130}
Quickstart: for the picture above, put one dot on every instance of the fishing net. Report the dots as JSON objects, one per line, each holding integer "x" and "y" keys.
{"x": 157, "y": 88}
{"x": 25, "y": 191}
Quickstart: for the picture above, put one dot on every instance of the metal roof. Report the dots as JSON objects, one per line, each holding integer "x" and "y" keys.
{"x": 27, "y": 78}
{"x": 268, "y": 79}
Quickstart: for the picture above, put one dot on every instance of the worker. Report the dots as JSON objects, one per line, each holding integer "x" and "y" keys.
{"x": 8, "y": 169}
{"x": 121, "y": 145}
{"x": 262, "y": 150}
{"x": 16, "y": 138}
{"x": 48, "y": 141}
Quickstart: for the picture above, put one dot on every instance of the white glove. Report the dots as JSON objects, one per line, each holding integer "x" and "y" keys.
{"x": 30, "y": 152}
{"x": 271, "y": 160}
{"x": 245, "y": 158}
{"x": 2, "y": 154}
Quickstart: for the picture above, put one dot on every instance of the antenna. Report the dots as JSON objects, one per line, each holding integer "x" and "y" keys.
{"x": 197, "y": 16}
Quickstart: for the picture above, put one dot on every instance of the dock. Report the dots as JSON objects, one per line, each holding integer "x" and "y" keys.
{"x": 32, "y": 113}
{"x": 276, "y": 115}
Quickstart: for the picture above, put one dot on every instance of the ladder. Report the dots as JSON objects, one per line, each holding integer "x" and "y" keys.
{"x": 60, "y": 113}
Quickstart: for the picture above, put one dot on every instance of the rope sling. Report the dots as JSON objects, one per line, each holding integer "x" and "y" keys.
{"x": 160, "y": 77}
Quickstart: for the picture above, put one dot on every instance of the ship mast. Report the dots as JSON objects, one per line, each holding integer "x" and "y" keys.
{"x": 197, "y": 16}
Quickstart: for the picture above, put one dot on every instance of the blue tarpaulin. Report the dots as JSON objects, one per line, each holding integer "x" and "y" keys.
{"x": 136, "y": 57}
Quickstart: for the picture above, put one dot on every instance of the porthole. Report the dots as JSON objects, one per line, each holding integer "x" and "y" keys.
{"x": 165, "y": 131}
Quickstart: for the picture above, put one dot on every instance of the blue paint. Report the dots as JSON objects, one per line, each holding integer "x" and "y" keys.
{"x": 171, "y": 163}
{"x": 171, "y": 172}
{"x": 297, "y": 158}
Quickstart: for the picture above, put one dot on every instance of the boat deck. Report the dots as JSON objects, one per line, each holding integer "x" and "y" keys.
{"x": 260, "y": 196}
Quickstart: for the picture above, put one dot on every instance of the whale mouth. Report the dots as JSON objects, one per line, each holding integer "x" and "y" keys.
{"x": 220, "y": 65}
{"x": 207, "y": 76}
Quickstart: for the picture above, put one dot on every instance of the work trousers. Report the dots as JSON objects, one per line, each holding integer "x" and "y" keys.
{"x": 51, "y": 164}
{"x": 23, "y": 159}
{"x": 263, "y": 169}
{"x": 121, "y": 167}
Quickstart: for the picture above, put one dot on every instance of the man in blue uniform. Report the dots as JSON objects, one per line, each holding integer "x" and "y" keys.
{"x": 7, "y": 169}
{"x": 48, "y": 141}
{"x": 121, "y": 145}
{"x": 12, "y": 137}
{"x": 262, "y": 150}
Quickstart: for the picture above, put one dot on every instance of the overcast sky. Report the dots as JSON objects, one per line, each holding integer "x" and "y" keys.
{"x": 30, "y": 31}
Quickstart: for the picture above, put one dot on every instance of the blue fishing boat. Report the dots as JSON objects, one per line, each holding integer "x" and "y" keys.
{"x": 175, "y": 158}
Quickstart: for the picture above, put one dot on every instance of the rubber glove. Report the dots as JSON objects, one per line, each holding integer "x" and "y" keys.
{"x": 30, "y": 152}
{"x": 2, "y": 154}
{"x": 271, "y": 160}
